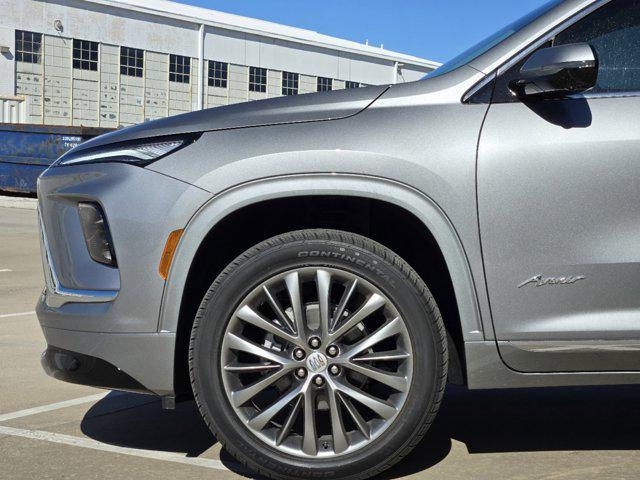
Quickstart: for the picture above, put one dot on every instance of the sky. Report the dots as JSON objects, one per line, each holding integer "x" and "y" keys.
{"x": 433, "y": 29}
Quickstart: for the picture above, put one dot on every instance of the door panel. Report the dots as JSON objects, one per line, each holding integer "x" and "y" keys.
{"x": 559, "y": 196}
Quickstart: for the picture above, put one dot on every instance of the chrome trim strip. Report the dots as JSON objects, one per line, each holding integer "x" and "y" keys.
{"x": 587, "y": 95}
{"x": 55, "y": 294}
{"x": 577, "y": 346}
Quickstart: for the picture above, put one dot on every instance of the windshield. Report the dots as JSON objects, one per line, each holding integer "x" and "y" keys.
{"x": 490, "y": 42}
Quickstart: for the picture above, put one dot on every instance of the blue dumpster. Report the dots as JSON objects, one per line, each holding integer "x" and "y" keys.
{"x": 27, "y": 150}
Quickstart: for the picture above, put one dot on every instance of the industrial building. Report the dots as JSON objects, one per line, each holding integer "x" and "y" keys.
{"x": 108, "y": 63}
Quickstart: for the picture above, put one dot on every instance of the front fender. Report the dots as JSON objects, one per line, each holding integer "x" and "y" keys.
{"x": 406, "y": 197}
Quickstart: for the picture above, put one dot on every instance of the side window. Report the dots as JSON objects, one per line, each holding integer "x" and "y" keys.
{"x": 614, "y": 33}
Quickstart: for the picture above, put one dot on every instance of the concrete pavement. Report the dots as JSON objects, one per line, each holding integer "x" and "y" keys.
{"x": 563, "y": 434}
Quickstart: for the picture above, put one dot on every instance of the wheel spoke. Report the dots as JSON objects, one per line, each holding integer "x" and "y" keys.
{"x": 340, "y": 441}
{"x": 309, "y": 443}
{"x": 381, "y": 407}
{"x": 242, "y": 396}
{"x": 390, "y": 356}
{"x": 236, "y": 367}
{"x": 323, "y": 281}
{"x": 389, "y": 329}
{"x": 259, "y": 421}
{"x": 373, "y": 303}
{"x": 292, "y": 282}
{"x": 394, "y": 380}
{"x": 249, "y": 315}
{"x": 346, "y": 296}
{"x": 236, "y": 343}
{"x": 277, "y": 308}
{"x": 361, "y": 425}
{"x": 286, "y": 428}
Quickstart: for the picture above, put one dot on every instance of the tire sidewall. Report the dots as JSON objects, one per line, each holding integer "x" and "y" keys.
{"x": 272, "y": 258}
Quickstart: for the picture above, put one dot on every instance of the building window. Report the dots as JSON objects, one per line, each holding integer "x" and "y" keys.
{"x": 179, "y": 69}
{"x": 351, "y": 85}
{"x": 218, "y": 74}
{"x": 85, "y": 55}
{"x": 28, "y": 47}
{"x": 131, "y": 61}
{"x": 257, "y": 79}
{"x": 290, "y": 83}
{"x": 325, "y": 84}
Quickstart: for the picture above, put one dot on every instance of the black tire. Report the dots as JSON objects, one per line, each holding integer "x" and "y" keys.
{"x": 394, "y": 277}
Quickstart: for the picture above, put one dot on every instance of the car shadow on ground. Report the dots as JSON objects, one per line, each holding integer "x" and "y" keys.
{"x": 558, "y": 419}
{"x": 138, "y": 421}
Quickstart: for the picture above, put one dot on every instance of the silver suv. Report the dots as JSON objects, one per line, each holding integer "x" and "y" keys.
{"x": 314, "y": 269}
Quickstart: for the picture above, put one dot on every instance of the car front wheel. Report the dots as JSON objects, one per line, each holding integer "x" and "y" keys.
{"x": 318, "y": 353}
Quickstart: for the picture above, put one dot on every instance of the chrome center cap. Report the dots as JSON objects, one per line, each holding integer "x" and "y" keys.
{"x": 317, "y": 362}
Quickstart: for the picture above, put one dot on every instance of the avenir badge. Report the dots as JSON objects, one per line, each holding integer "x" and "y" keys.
{"x": 541, "y": 281}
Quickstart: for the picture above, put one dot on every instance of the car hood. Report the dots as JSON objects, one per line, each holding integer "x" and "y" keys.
{"x": 292, "y": 109}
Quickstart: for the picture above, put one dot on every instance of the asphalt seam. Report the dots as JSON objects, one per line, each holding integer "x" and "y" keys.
{"x": 120, "y": 410}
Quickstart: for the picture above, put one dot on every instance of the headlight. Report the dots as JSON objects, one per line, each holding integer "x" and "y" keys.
{"x": 138, "y": 153}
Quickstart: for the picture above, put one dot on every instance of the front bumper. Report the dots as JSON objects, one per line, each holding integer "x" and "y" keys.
{"x": 146, "y": 359}
{"x": 74, "y": 367}
{"x": 108, "y": 313}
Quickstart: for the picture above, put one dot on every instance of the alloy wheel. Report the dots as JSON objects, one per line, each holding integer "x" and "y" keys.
{"x": 317, "y": 362}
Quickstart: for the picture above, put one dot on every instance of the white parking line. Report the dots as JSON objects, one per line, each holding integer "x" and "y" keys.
{"x": 54, "y": 406}
{"x": 5, "y": 270}
{"x": 95, "y": 445}
{"x": 21, "y": 314}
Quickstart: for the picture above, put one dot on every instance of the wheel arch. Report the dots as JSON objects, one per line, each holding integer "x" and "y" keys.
{"x": 305, "y": 188}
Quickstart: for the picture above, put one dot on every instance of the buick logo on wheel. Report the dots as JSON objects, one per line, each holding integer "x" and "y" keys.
{"x": 317, "y": 362}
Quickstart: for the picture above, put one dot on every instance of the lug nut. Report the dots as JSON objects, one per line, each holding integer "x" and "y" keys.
{"x": 318, "y": 380}
{"x": 298, "y": 354}
{"x": 334, "y": 369}
{"x": 332, "y": 351}
{"x": 314, "y": 342}
{"x": 301, "y": 373}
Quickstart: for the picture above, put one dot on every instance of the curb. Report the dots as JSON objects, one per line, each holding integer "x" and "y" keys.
{"x": 18, "y": 202}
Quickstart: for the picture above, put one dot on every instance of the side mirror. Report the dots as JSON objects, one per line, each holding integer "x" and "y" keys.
{"x": 556, "y": 72}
